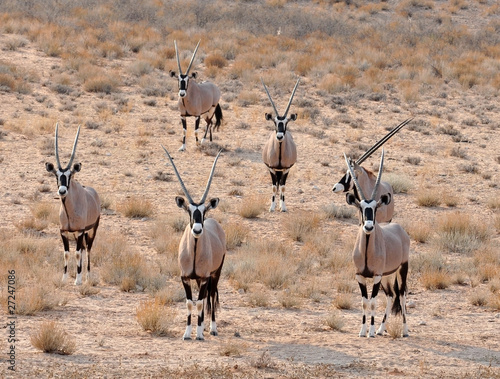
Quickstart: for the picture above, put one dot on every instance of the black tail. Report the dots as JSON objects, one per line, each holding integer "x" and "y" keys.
{"x": 218, "y": 117}
{"x": 396, "y": 305}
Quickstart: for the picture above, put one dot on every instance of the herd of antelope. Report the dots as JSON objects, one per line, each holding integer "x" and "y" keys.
{"x": 380, "y": 252}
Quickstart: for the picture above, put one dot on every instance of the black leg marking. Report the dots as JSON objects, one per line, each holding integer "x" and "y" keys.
{"x": 184, "y": 127}
{"x": 66, "y": 248}
{"x": 364, "y": 291}
{"x": 196, "y": 126}
{"x": 375, "y": 290}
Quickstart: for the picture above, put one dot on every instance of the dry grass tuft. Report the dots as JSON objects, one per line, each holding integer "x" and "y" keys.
{"x": 435, "y": 279}
{"x": 252, "y": 206}
{"x": 335, "y": 321}
{"x": 154, "y": 317}
{"x": 236, "y": 233}
{"x": 51, "y": 338}
{"x": 343, "y": 301}
{"x": 420, "y": 231}
{"x": 458, "y": 232}
{"x": 301, "y": 225}
{"x": 231, "y": 349}
{"x": 428, "y": 198}
{"x": 394, "y": 327}
{"x": 136, "y": 207}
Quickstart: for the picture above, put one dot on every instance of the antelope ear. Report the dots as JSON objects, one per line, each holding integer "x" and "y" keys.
{"x": 213, "y": 203}
{"x": 350, "y": 199}
{"x": 49, "y": 167}
{"x": 385, "y": 199}
{"x": 269, "y": 116}
{"x": 172, "y": 74}
{"x": 293, "y": 116}
{"x": 181, "y": 202}
{"x": 77, "y": 167}
{"x": 194, "y": 75}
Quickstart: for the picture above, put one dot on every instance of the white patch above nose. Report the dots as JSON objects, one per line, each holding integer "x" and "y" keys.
{"x": 197, "y": 230}
{"x": 182, "y": 93}
{"x": 63, "y": 191}
{"x": 368, "y": 227}
{"x": 279, "y": 135}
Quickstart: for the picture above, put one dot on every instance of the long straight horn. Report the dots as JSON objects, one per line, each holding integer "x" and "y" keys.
{"x": 358, "y": 187}
{"x": 379, "y": 176}
{"x": 177, "y": 56}
{"x": 184, "y": 189}
{"x": 205, "y": 194}
{"x": 57, "y": 149}
{"x": 192, "y": 58}
{"x": 383, "y": 140}
{"x": 74, "y": 150}
{"x": 270, "y": 99}
{"x": 291, "y": 97}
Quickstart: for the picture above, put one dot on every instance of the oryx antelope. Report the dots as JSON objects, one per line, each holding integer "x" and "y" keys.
{"x": 280, "y": 151}
{"x": 381, "y": 252}
{"x": 366, "y": 178}
{"x": 201, "y": 254}
{"x": 196, "y": 100}
{"x": 79, "y": 213}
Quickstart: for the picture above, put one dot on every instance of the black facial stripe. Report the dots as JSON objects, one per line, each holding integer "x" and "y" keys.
{"x": 369, "y": 214}
{"x": 197, "y": 217}
{"x": 63, "y": 179}
{"x": 183, "y": 82}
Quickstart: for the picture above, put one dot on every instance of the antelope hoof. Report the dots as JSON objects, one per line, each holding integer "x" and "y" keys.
{"x": 200, "y": 338}
{"x": 182, "y": 148}
{"x": 214, "y": 333}
{"x": 186, "y": 338}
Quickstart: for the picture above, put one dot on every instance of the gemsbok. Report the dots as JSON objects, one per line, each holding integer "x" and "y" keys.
{"x": 280, "y": 151}
{"x": 380, "y": 252}
{"x": 196, "y": 100}
{"x": 366, "y": 178}
{"x": 79, "y": 213}
{"x": 201, "y": 255}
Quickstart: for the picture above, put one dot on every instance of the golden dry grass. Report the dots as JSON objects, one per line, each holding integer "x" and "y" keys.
{"x": 154, "y": 317}
{"x": 51, "y": 338}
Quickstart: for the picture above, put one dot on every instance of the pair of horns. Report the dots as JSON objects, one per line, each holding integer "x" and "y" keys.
{"x": 383, "y": 140}
{"x": 358, "y": 187}
{"x": 289, "y": 102}
{"x": 72, "y": 153}
{"x": 184, "y": 189}
{"x": 192, "y": 58}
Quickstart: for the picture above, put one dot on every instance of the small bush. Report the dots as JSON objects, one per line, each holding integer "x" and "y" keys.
{"x": 459, "y": 233}
{"x": 136, "y": 207}
{"x": 236, "y": 234}
{"x": 301, "y": 225}
{"x": 435, "y": 279}
{"x": 50, "y": 338}
{"x": 334, "y": 211}
{"x": 335, "y": 321}
{"x": 400, "y": 183}
{"x": 252, "y": 207}
{"x": 215, "y": 60}
{"x": 343, "y": 301}
{"x": 154, "y": 317}
{"x": 428, "y": 198}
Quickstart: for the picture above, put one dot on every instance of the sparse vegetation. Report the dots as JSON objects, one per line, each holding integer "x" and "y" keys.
{"x": 154, "y": 317}
{"x": 51, "y": 338}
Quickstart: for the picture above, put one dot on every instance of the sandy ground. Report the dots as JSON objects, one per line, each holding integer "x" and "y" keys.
{"x": 449, "y": 337}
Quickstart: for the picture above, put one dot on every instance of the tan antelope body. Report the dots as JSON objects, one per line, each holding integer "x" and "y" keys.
{"x": 367, "y": 179}
{"x": 79, "y": 213}
{"x": 197, "y": 100}
{"x": 381, "y": 252}
{"x": 201, "y": 255}
{"x": 280, "y": 152}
